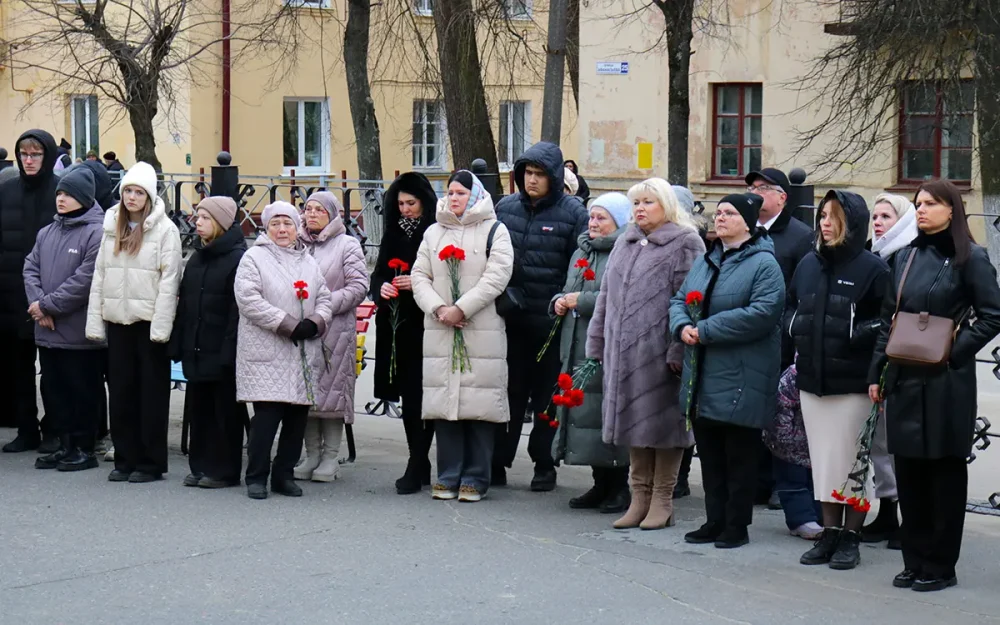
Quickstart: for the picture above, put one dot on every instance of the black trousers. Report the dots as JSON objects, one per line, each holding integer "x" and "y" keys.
{"x": 102, "y": 425}
{"x": 729, "y": 460}
{"x": 75, "y": 384}
{"x": 528, "y": 383}
{"x": 267, "y": 416}
{"x": 139, "y": 398}
{"x": 610, "y": 478}
{"x": 419, "y": 433}
{"x": 685, "y": 470}
{"x": 216, "y": 418}
{"x": 932, "y": 496}
{"x": 17, "y": 385}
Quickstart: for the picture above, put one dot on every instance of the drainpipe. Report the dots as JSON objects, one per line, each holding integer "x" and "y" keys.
{"x": 226, "y": 67}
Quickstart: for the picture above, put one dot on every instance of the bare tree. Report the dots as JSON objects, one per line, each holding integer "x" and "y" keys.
{"x": 555, "y": 65}
{"x": 359, "y": 93}
{"x": 139, "y": 53}
{"x": 952, "y": 49}
{"x": 573, "y": 48}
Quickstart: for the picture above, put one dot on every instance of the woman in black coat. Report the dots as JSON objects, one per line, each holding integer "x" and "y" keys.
{"x": 204, "y": 340}
{"x": 931, "y": 411}
{"x": 409, "y": 207}
{"x": 834, "y": 300}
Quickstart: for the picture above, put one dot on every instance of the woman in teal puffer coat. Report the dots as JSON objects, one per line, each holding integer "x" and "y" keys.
{"x": 578, "y": 440}
{"x": 732, "y": 363}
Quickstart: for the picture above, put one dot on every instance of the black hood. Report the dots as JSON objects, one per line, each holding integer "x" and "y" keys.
{"x": 48, "y": 163}
{"x": 417, "y": 185}
{"x": 549, "y": 157}
{"x": 102, "y": 183}
{"x": 230, "y": 239}
{"x": 857, "y": 218}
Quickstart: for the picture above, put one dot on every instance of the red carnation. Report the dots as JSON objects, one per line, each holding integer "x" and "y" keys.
{"x": 853, "y": 502}
{"x": 582, "y": 264}
{"x": 558, "y": 400}
{"x": 303, "y": 294}
{"x": 588, "y": 274}
{"x": 543, "y": 416}
{"x": 565, "y": 381}
{"x": 458, "y": 253}
{"x": 554, "y": 423}
{"x": 300, "y": 285}
{"x": 399, "y": 264}
{"x": 575, "y": 397}
{"x": 837, "y": 495}
{"x": 864, "y": 506}
{"x": 694, "y": 298}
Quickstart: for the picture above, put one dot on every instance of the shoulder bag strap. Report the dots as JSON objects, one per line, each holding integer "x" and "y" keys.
{"x": 489, "y": 238}
{"x": 902, "y": 281}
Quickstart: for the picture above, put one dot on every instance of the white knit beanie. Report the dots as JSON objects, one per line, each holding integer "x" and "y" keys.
{"x": 281, "y": 209}
{"x": 141, "y": 175}
{"x": 570, "y": 181}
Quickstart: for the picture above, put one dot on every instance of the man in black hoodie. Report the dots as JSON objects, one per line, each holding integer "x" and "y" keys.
{"x": 27, "y": 204}
{"x": 544, "y": 225}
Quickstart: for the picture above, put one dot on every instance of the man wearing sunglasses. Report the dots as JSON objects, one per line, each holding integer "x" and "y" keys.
{"x": 27, "y": 204}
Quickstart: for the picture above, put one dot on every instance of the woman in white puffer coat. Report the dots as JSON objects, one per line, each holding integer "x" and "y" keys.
{"x": 133, "y": 300}
{"x": 285, "y": 308}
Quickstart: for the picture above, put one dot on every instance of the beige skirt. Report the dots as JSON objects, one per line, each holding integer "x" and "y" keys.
{"x": 832, "y": 426}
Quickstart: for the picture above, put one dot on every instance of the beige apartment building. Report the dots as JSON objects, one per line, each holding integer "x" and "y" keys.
{"x": 299, "y": 120}
{"x": 745, "y": 108}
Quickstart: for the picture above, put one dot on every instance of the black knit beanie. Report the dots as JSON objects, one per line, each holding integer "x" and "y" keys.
{"x": 78, "y": 183}
{"x": 748, "y": 205}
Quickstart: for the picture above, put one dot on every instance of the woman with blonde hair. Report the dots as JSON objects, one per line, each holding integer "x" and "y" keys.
{"x": 133, "y": 301}
{"x": 630, "y": 333}
{"x": 834, "y": 300}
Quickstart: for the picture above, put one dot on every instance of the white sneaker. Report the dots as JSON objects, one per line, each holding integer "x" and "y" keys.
{"x": 110, "y": 456}
{"x": 469, "y": 494}
{"x": 808, "y": 531}
{"x": 440, "y": 491}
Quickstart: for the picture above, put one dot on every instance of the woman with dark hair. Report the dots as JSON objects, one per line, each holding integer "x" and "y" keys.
{"x": 408, "y": 206}
{"x": 582, "y": 191}
{"x": 931, "y": 410}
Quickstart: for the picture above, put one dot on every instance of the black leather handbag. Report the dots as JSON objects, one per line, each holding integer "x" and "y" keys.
{"x": 511, "y": 301}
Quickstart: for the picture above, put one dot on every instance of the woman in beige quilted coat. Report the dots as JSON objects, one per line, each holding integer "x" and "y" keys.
{"x": 467, "y": 401}
{"x": 342, "y": 263}
{"x": 133, "y": 300}
{"x": 284, "y": 310}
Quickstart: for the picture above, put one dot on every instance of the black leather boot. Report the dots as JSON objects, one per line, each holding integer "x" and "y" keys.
{"x": 885, "y": 525}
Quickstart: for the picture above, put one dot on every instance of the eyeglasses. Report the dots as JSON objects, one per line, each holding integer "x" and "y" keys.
{"x": 764, "y": 187}
{"x": 726, "y": 214}
{"x": 314, "y": 211}
{"x": 33, "y": 156}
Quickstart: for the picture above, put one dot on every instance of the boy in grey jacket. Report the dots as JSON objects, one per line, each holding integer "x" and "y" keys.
{"x": 57, "y": 277}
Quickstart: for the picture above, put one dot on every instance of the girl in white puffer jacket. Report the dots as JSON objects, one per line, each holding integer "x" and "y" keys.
{"x": 132, "y": 304}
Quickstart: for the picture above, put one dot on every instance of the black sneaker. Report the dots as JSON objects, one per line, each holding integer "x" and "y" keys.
{"x": 21, "y": 444}
{"x": 590, "y": 499}
{"x": 905, "y": 579}
{"x": 119, "y": 476}
{"x": 288, "y": 489}
{"x": 78, "y": 460}
{"x": 847, "y": 556}
{"x": 257, "y": 491}
{"x": 933, "y": 584}
{"x": 211, "y": 482}
{"x": 774, "y": 502}
{"x": 193, "y": 479}
{"x": 824, "y": 548}
{"x": 732, "y": 539}
{"x": 50, "y": 445}
{"x": 52, "y": 460}
{"x": 543, "y": 481}
{"x": 707, "y": 533}
{"x": 618, "y": 501}
{"x": 141, "y": 477}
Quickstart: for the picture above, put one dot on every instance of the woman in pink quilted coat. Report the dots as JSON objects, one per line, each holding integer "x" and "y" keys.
{"x": 342, "y": 263}
{"x": 284, "y": 311}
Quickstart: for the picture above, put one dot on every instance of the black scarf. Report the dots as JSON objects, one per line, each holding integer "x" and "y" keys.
{"x": 409, "y": 225}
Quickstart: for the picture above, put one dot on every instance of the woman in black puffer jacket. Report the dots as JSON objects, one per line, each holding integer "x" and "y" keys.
{"x": 931, "y": 411}
{"x": 204, "y": 340}
{"x": 833, "y": 316}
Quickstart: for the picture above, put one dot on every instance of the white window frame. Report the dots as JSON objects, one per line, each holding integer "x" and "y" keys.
{"x": 528, "y": 9}
{"x": 507, "y": 163}
{"x": 86, "y": 123}
{"x": 423, "y": 7}
{"x": 442, "y": 156}
{"x": 324, "y": 136}
{"x": 307, "y": 4}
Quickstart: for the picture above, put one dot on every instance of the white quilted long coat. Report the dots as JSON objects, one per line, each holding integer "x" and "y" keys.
{"x": 479, "y": 394}
{"x": 342, "y": 263}
{"x": 268, "y": 365}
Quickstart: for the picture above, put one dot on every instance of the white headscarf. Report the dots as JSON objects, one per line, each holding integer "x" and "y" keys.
{"x": 902, "y": 232}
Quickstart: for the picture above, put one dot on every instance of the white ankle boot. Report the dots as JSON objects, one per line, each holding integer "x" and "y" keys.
{"x": 333, "y": 430}
{"x": 304, "y": 470}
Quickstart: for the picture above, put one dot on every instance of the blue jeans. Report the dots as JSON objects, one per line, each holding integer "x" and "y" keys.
{"x": 795, "y": 490}
{"x": 464, "y": 453}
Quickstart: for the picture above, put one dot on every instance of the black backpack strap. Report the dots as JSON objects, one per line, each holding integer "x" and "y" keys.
{"x": 489, "y": 239}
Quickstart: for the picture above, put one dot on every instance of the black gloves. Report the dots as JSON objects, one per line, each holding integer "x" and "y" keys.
{"x": 305, "y": 330}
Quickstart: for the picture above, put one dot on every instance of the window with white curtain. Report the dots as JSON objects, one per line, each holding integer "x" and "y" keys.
{"x": 86, "y": 125}
{"x": 306, "y": 135}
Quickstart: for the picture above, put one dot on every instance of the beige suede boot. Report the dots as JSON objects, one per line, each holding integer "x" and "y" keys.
{"x": 661, "y": 505}
{"x": 641, "y": 480}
